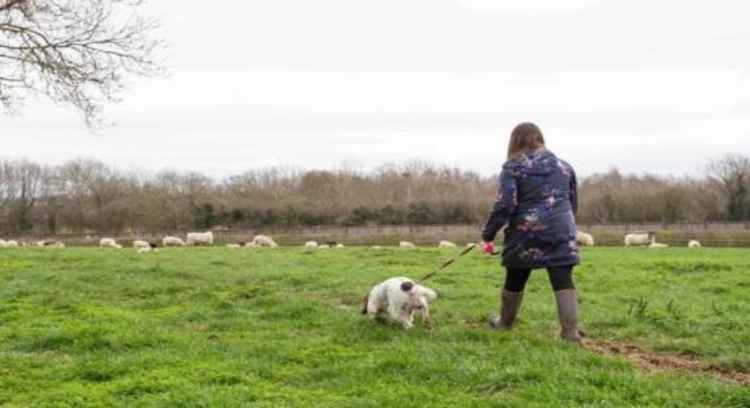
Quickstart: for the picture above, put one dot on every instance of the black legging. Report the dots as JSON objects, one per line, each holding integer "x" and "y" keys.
{"x": 561, "y": 278}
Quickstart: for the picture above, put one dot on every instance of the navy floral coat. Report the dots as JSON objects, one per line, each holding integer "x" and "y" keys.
{"x": 537, "y": 199}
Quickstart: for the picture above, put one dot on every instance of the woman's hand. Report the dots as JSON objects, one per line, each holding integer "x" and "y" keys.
{"x": 488, "y": 248}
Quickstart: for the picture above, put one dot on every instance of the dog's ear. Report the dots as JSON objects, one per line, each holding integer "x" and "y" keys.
{"x": 365, "y": 302}
{"x": 407, "y": 286}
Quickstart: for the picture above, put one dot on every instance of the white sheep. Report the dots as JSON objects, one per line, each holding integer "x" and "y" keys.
{"x": 655, "y": 245}
{"x": 339, "y": 246}
{"x": 406, "y": 245}
{"x": 324, "y": 246}
{"x": 637, "y": 239}
{"x": 234, "y": 246}
{"x": 200, "y": 238}
{"x": 264, "y": 241}
{"x": 584, "y": 239}
{"x": 138, "y": 244}
{"x": 311, "y": 245}
{"x": 145, "y": 250}
{"x": 694, "y": 244}
{"x": 106, "y": 243}
{"x": 446, "y": 244}
{"x": 57, "y": 244}
{"x": 172, "y": 242}
{"x": 9, "y": 244}
{"x": 251, "y": 245}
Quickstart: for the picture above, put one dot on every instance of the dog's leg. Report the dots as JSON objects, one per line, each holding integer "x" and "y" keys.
{"x": 407, "y": 319}
{"x": 426, "y": 316}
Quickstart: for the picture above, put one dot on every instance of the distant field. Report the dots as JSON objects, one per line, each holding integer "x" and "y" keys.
{"x": 271, "y": 328}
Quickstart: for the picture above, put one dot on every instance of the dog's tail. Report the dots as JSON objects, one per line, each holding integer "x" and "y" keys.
{"x": 365, "y": 302}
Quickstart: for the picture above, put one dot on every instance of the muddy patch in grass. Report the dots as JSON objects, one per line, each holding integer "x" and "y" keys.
{"x": 653, "y": 362}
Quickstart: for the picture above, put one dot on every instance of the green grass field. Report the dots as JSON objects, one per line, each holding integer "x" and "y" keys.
{"x": 274, "y": 328}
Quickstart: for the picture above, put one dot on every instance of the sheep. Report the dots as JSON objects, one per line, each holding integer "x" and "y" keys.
{"x": 234, "y": 246}
{"x": 9, "y": 244}
{"x": 311, "y": 245}
{"x": 639, "y": 239}
{"x": 339, "y": 246}
{"x": 584, "y": 239}
{"x": 138, "y": 244}
{"x": 406, "y": 245}
{"x": 326, "y": 246}
{"x": 172, "y": 242}
{"x": 655, "y": 245}
{"x": 694, "y": 244}
{"x": 251, "y": 245}
{"x": 376, "y": 247}
{"x": 145, "y": 250}
{"x": 200, "y": 238}
{"x": 264, "y": 241}
{"x": 446, "y": 244}
{"x": 58, "y": 244}
{"x": 107, "y": 243}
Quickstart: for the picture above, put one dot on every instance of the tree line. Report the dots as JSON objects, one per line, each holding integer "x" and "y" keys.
{"x": 85, "y": 195}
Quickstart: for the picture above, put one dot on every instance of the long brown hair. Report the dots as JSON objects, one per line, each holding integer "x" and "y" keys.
{"x": 525, "y": 138}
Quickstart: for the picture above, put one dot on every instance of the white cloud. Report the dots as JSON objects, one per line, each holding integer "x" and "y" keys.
{"x": 646, "y": 86}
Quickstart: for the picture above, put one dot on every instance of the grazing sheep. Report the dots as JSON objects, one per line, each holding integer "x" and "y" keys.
{"x": 234, "y": 246}
{"x": 637, "y": 239}
{"x": 311, "y": 245}
{"x": 655, "y": 245}
{"x": 694, "y": 244}
{"x": 376, "y": 247}
{"x": 145, "y": 250}
{"x": 107, "y": 243}
{"x": 172, "y": 242}
{"x": 584, "y": 239}
{"x": 324, "y": 246}
{"x": 406, "y": 245}
{"x": 251, "y": 245}
{"x": 138, "y": 244}
{"x": 9, "y": 244}
{"x": 446, "y": 244}
{"x": 339, "y": 246}
{"x": 200, "y": 238}
{"x": 400, "y": 299}
{"x": 58, "y": 244}
{"x": 264, "y": 241}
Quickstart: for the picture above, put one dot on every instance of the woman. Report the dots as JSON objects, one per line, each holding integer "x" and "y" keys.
{"x": 537, "y": 201}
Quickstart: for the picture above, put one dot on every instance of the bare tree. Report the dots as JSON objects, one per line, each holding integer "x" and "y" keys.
{"x": 75, "y": 52}
{"x": 734, "y": 173}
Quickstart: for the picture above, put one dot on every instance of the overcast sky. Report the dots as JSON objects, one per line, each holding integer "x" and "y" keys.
{"x": 646, "y": 86}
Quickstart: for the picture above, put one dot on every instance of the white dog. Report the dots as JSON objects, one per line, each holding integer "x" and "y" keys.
{"x": 400, "y": 299}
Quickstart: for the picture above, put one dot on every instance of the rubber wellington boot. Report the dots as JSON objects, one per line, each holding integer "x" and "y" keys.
{"x": 567, "y": 308}
{"x": 510, "y": 305}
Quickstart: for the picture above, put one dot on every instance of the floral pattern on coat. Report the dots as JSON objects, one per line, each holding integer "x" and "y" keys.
{"x": 537, "y": 200}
